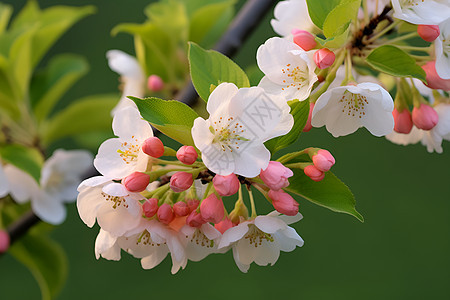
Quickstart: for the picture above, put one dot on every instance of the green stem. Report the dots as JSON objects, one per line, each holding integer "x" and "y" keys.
{"x": 412, "y": 48}
{"x": 252, "y": 203}
{"x": 366, "y": 12}
{"x": 287, "y": 157}
{"x": 301, "y": 165}
{"x": 401, "y": 38}
{"x": 383, "y": 32}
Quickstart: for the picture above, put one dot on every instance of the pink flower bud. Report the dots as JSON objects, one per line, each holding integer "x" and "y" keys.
{"x": 155, "y": 83}
{"x": 308, "y": 125}
{"x": 428, "y": 32}
{"x": 4, "y": 241}
{"x": 275, "y": 176}
{"x": 187, "y": 155}
{"x": 181, "y": 181}
{"x": 283, "y": 203}
{"x": 315, "y": 174}
{"x": 304, "y": 39}
{"x": 212, "y": 209}
{"x": 165, "y": 214}
{"x": 224, "y": 225}
{"x": 150, "y": 207}
{"x": 136, "y": 182}
{"x": 153, "y": 147}
{"x": 403, "y": 122}
{"x": 195, "y": 219}
{"x": 433, "y": 79}
{"x": 324, "y": 58}
{"x": 193, "y": 204}
{"x": 323, "y": 160}
{"x": 425, "y": 117}
{"x": 226, "y": 185}
{"x": 181, "y": 209}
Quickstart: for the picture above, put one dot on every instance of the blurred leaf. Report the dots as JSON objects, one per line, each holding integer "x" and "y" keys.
{"x": 28, "y": 15}
{"x": 210, "y": 67}
{"x": 45, "y": 259}
{"x": 210, "y": 18}
{"x": 319, "y": 9}
{"x": 173, "y": 118}
{"x": 52, "y": 83}
{"x": 25, "y": 158}
{"x": 171, "y": 16}
{"x": 396, "y": 62}
{"x": 330, "y": 192}
{"x": 5, "y": 14}
{"x": 254, "y": 74}
{"x": 300, "y": 112}
{"x": 92, "y": 113}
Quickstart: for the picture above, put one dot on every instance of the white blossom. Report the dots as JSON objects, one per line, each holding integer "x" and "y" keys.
{"x": 4, "y": 185}
{"x": 289, "y": 15}
{"x": 288, "y": 69}
{"x": 345, "y": 109}
{"x": 442, "y": 46}
{"x": 200, "y": 242}
{"x": 240, "y": 121}
{"x": 426, "y": 12}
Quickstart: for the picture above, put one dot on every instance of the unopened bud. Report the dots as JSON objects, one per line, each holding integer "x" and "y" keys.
{"x": 308, "y": 125}
{"x": 4, "y": 241}
{"x": 283, "y": 202}
{"x": 212, "y": 209}
{"x": 195, "y": 219}
{"x": 165, "y": 214}
{"x": 150, "y": 207}
{"x": 402, "y": 121}
{"x": 224, "y": 225}
{"x": 136, "y": 182}
{"x": 304, "y": 39}
{"x": 428, "y": 32}
{"x": 226, "y": 185}
{"x": 434, "y": 81}
{"x": 324, "y": 58}
{"x": 181, "y": 209}
{"x": 187, "y": 155}
{"x": 153, "y": 147}
{"x": 155, "y": 83}
{"x": 275, "y": 176}
{"x": 323, "y": 160}
{"x": 181, "y": 181}
{"x": 193, "y": 204}
{"x": 315, "y": 174}
{"x": 424, "y": 117}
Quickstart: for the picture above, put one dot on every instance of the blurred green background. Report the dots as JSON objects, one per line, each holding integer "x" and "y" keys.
{"x": 402, "y": 251}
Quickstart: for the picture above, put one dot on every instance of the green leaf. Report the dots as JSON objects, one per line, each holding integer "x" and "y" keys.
{"x": 330, "y": 192}
{"x": 338, "y": 19}
{"x": 5, "y": 14}
{"x": 338, "y": 40}
{"x": 300, "y": 112}
{"x": 27, "y": 159}
{"x": 319, "y": 9}
{"x": 92, "y": 113}
{"x": 171, "y": 16}
{"x": 51, "y": 84}
{"x": 210, "y": 67}
{"x": 173, "y": 118}
{"x": 45, "y": 259}
{"x": 396, "y": 62}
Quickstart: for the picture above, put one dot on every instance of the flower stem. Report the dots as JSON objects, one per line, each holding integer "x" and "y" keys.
{"x": 285, "y": 158}
{"x": 383, "y": 32}
{"x": 252, "y": 203}
{"x": 401, "y": 38}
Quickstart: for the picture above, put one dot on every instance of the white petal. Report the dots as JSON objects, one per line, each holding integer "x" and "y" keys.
{"x": 129, "y": 125}
{"x": 47, "y": 208}
{"x": 21, "y": 185}
{"x": 88, "y": 202}
{"x": 117, "y": 221}
{"x": 124, "y": 64}
{"x": 243, "y": 267}
{"x": 233, "y": 234}
{"x": 154, "y": 259}
{"x": 288, "y": 239}
{"x": 105, "y": 246}
{"x": 220, "y": 97}
{"x": 109, "y": 162}
{"x": 250, "y": 161}
{"x": 290, "y": 15}
{"x": 201, "y": 134}
{"x": 115, "y": 189}
{"x": 406, "y": 139}
{"x": 4, "y": 186}
{"x": 269, "y": 224}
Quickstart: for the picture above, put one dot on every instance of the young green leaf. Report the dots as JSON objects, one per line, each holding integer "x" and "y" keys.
{"x": 300, "y": 112}
{"x": 319, "y": 9}
{"x": 396, "y": 62}
{"x": 209, "y": 67}
{"x": 45, "y": 259}
{"x": 173, "y": 118}
{"x": 5, "y": 14}
{"x": 25, "y": 158}
{"x": 330, "y": 192}
{"x": 338, "y": 19}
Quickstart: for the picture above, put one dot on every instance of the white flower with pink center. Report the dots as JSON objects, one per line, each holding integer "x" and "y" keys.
{"x": 344, "y": 109}
{"x": 260, "y": 240}
{"x": 427, "y": 12}
{"x": 240, "y": 121}
{"x": 121, "y": 156}
{"x": 289, "y": 70}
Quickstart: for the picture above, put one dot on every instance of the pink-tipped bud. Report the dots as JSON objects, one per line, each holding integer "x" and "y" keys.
{"x": 165, "y": 214}
{"x": 308, "y": 125}
{"x": 212, "y": 209}
{"x": 275, "y": 176}
{"x": 181, "y": 209}
{"x": 150, "y": 207}
{"x": 193, "y": 204}
{"x": 315, "y": 174}
{"x": 283, "y": 203}
{"x": 181, "y": 181}
{"x": 226, "y": 185}
{"x": 433, "y": 79}
{"x": 187, "y": 155}
{"x": 323, "y": 160}
{"x": 402, "y": 121}
{"x": 224, "y": 225}
{"x": 425, "y": 117}
{"x": 153, "y": 147}
{"x": 324, "y": 58}
{"x": 136, "y": 182}
{"x": 4, "y": 241}
{"x": 428, "y": 32}
{"x": 155, "y": 83}
{"x": 195, "y": 219}
{"x": 304, "y": 39}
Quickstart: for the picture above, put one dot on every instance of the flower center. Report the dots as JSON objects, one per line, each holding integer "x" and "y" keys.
{"x": 296, "y": 77}
{"x": 353, "y": 104}
{"x": 146, "y": 239}
{"x": 116, "y": 201}
{"x": 410, "y": 3}
{"x": 228, "y": 134}
{"x": 129, "y": 151}
{"x": 201, "y": 240}
{"x": 256, "y": 237}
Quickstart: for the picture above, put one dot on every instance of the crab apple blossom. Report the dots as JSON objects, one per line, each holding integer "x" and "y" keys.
{"x": 433, "y": 138}
{"x": 107, "y": 246}
{"x": 304, "y": 39}
{"x": 275, "y": 176}
{"x": 283, "y": 202}
{"x": 121, "y": 156}
{"x": 226, "y": 185}
{"x": 323, "y": 160}
{"x": 404, "y": 139}
{"x": 324, "y": 58}
{"x": 428, "y": 32}
{"x": 429, "y": 12}
{"x": 260, "y": 240}
{"x": 424, "y": 117}
{"x": 289, "y": 15}
{"x": 131, "y": 75}
{"x": 181, "y": 181}
{"x": 187, "y": 155}
{"x": 212, "y": 209}
{"x": 403, "y": 121}
{"x": 314, "y": 173}
{"x": 240, "y": 121}
{"x": 288, "y": 69}
{"x": 442, "y": 49}
{"x": 433, "y": 79}
{"x": 4, "y": 186}
{"x": 155, "y": 83}
{"x": 199, "y": 241}
{"x": 345, "y": 109}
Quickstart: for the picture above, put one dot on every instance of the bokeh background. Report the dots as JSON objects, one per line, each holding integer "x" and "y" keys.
{"x": 402, "y": 251}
